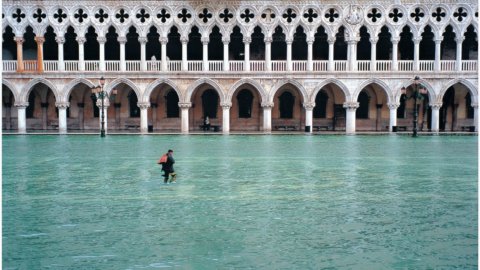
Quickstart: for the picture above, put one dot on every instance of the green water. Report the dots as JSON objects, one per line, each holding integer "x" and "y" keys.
{"x": 240, "y": 202}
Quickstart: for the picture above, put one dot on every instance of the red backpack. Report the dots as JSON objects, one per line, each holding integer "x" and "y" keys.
{"x": 163, "y": 159}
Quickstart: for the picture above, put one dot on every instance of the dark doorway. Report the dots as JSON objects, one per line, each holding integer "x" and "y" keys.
{"x": 364, "y": 50}
{"x": 448, "y": 107}
{"x": 279, "y": 46}
{"x": 153, "y": 47}
{"x": 245, "y": 99}
{"x": 174, "y": 46}
{"x": 236, "y": 47}
{"x": 9, "y": 48}
{"x": 70, "y": 48}
{"x": 405, "y": 45}
{"x": 132, "y": 47}
{"x": 172, "y": 104}
{"x": 210, "y": 103}
{"x": 364, "y": 100}
{"x": 112, "y": 47}
{"x": 340, "y": 46}
{"x": 286, "y": 100}
{"x": 215, "y": 45}
{"x": 320, "y": 110}
{"x": 194, "y": 47}
{"x": 91, "y": 46}
{"x": 299, "y": 45}
{"x": 132, "y": 104}
{"x": 320, "y": 45}
{"x": 257, "y": 47}
{"x": 51, "y": 44}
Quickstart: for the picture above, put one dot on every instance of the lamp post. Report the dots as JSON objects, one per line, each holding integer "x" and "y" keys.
{"x": 418, "y": 92}
{"x": 100, "y": 93}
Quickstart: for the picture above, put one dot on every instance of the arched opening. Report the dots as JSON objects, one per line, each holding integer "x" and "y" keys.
{"x": 320, "y": 110}
{"x": 9, "y": 116}
{"x": 364, "y": 50}
{"x": 9, "y": 46}
{"x": 405, "y": 113}
{"x": 364, "y": 102}
{"x": 132, "y": 47}
{"x": 286, "y": 102}
{"x": 112, "y": 47}
{"x": 299, "y": 45}
{"x": 174, "y": 46}
{"x": 257, "y": 47}
{"x": 83, "y": 113}
{"x": 215, "y": 45}
{"x": 469, "y": 111}
{"x": 328, "y": 113}
{"x": 164, "y": 114}
{"x": 194, "y": 47}
{"x": 279, "y": 46}
{"x": 210, "y": 103}
{"x": 288, "y": 112}
{"x": 205, "y": 102}
{"x": 246, "y": 112}
{"x": 245, "y": 102}
{"x": 41, "y": 112}
{"x": 51, "y": 44}
{"x": 405, "y": 45}
{"x": 456, "y": 113}
{"x": 470, "y": 44}
{"x": 132, "y": 105}
{"x": 384, "y": 44}
{"x": 153, "y": 46}
{"x": 448, "y": 45}
{"x": 29, "y": 45}
{"x": 340, "y": 46}
{"x": 372, "y": 115}
{"x": 236, "y": 48}
{"x": 91, "y": 46}
{"x": 70, "y": 48}
{"x": 427, "y": 45}
{"x": 171, "y": 100}
{"x": 320, "y": 45}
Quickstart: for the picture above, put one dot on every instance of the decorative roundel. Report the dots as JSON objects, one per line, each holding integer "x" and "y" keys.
{"x": 417, "y": 14}
{"x": 39, "y": 16}
{"x": 460, "y": 14}
{"x": 18, "y": 15}
{"x": 397, "y": 15}
{"x": 332, "y": 15}
{"x": 268, "y": 15}
{"x": 184, "y": 15}
{"x": 226, "y": 15}
{"x": 205, "y": 15}
{"x": 375, "y": 15}
{"x": 290, "y": 15}
{"x": 142, "y": 15}
{"x": 79, "y": 15}
{"x": 439, "y": 14}
{"x": 310, "y": 15}
{"x": 163, "y": 15}
{"x": 100, "y": 15}
{"x": 247, "y": 15}
{"x": 122, "y": 15}
{"x": 58, "y": 15}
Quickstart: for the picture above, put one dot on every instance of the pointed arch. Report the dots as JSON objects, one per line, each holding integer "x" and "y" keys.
{"x": 28, "y": 88}
{"x": 67, "y": 89}
{"x": 154, "y": 84}
{"x": 198, "y": 83}
{"x": 472, "y": 89}
{"x": 328, "y": 81}
{"x": 12, "y": 88}
{"x": 282, "y": 83}
{"x": 427, "y": 85}
{"x": 254, "y": 83}
{"x": 116, "y": 82}
{"x": 378, "y": 82}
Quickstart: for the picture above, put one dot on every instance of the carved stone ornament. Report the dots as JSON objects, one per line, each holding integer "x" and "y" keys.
{"x": 143, "y": 105}
{"x": 185, "y": 104}
{"x": 436, "y": 106}
{"x": 226, "y": 105}
{"x": 354, "y": 15}
{"x": 62, "y": 104}
{"x": 309, "y": 105}
{"x": 267, "y": 104}
{"x": 393, "y": 106}
{"x": 21, "y": 104}
{"x": 351, "y": 105}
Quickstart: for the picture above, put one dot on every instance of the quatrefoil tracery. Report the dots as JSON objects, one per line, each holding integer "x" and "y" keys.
{"x": 247, "y": 15}
{"x": 289, "y": 15}
{"x": 438, "y": 14}
{"x": 417, "y": 15}
{"x": 18, "y": 15}
{"x": 184, "y": 15}
{"x": 80, "y": 15}
{"x": 310, "y": 15}
{"x": 226, "y": 15}
{"x": 374, "y": 15}
{"x": 60, "y": 15}
{"x": 460, "y": 14}
{"x": 101, "y": 15}
{"x": 331, "y": 15}
{"x": 122, "y": 15}
{"x": 395, "y": 15}
{"x": 142, "y": 16}
{"x": 163, "y": 15}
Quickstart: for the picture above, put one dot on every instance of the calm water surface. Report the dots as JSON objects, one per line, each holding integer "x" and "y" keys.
{"x": 240, "y": 202}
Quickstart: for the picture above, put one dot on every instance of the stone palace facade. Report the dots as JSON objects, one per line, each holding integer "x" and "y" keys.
{"x": 264, "y": 66}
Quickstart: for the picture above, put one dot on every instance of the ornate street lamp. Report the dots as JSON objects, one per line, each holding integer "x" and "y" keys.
{"x": 100, "y": 93}
{"x": 418, "y": 92}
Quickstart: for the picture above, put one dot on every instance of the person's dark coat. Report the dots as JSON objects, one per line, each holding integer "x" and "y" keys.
{"x": 167, "y": 167}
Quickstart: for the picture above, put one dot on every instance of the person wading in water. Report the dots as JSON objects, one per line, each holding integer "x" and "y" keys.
{"x": 167, "y": 162}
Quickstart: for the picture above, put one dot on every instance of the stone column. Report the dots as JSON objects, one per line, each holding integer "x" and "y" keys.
{"x": 438, "y": 43}
{"x": 44, "y": 106}
{"x": 19, "y": 41}
{"x": 416, "y": 54}
{"x": 143, "y": 53}
{"x": 40, "y": 40}
{"x": 395, "y": 53}
{"x": 351, "y": 108}
{"x": 8, "y": 115}
{"x": 289, "y": 54}
{"x": 164, "y": 41}
{"x": 185, "y": 106}
{"x": 436, "y": 116}
{"x": 22, "y": 116}
{"x": 143, "y": 116}
{"x": 393, "y": 115}
{"x": 61, "y": 62}
{"x": 459, "y": 41}
{"x": 352, "y": 56}
{"x": 268, "y": 53}
{"x": 267, "y": 116}
{"x": 226, "y": 117}
{"x": 117, "y": 107}
{"x": 205, "y": 41}
{"x": 62, "y": 116}
{"x": 106, "y": 104}
{"x": 81, "y": 53}
{"x": 122, "y": 40}
{"x": 475, "y": 115}
{"x": 310, "y": 53}
{"x": 379, "y": 118}
{"x": 226, "y": 42}
{"x": 373, "y": 57}
{"x": 184, "y": 41}
{"x": 246, "y": 41}
{"x": 331, "y": 63}
{"x": 309, "y": 115}
{"x": 81, "y": 106}
{"x": 101, "y": 43}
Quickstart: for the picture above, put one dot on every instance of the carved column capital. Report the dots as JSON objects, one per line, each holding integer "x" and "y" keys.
{"x": 331, "y": 40}
{"x": 205, "y": 40}
{"x": 183, "y": 40}
{"x": 393, "y": 106}
{"x": 267, "y": 105}
{"x": 60, "y": 40}
{"x": 395, "y": 40}
{"x": 143, "y": 105}
{"x": 19, "y": 40}
{"x": 351, "y": 105}
{"x": 226, "y": 39}
{"x": 374, "y": 40}
{"x": 39, "y": 39}
{"x": 185, "y": 105}
{"x": 309, "y": 105}
{"x": 62, "y": 104}
{"x": 474, "y": 105}
{"x": 436, "y": 105}
{"x": 102, "y": 40}
{"x": 142, "y": 40}
{"x": 21, "y": 104}
{"x": 163, "y": 40}
{"x": 81, "y": 40}
{"x": 460, "y": 39}
{"x": 268, "y": 39}
{"x": 122, "y": 39}
{"x": 247, "y": 40}
{"x": 226, "y": 105}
